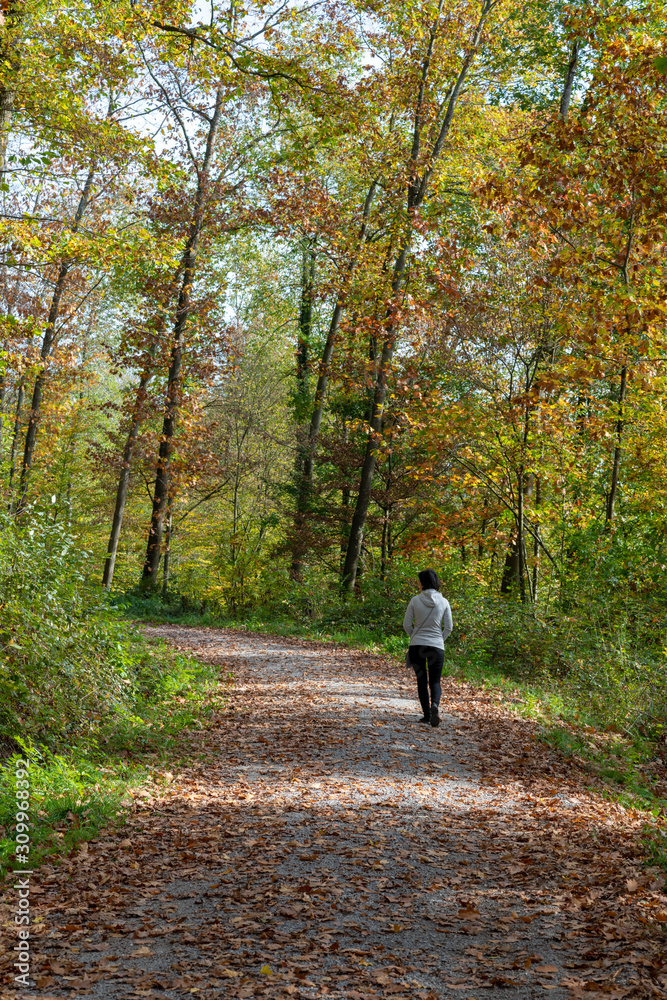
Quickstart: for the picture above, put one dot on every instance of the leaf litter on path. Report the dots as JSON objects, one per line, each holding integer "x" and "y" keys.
{"x": 319, "y": 843}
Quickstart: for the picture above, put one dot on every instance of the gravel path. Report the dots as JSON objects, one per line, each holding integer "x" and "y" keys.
{"x": 321, "y": 843}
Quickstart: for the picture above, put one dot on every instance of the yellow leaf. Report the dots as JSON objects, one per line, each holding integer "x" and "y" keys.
{"x": 266, "y": 970}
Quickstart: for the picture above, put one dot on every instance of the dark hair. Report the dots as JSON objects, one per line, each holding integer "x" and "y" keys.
{"x": 429, "y": 579}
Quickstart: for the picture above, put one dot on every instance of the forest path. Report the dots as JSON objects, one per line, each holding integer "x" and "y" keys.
{"x": 322, "y": 844}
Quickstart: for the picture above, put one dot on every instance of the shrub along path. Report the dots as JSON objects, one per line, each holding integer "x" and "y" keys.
{"x": 320, "y": 843}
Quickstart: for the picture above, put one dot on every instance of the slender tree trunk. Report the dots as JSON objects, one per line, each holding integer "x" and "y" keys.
{"x": 494, "y": 554}
{"x": 10, "y": 58}
{"x": 344, "y": 529}
{"x": 3, "y": 393}
{"x": 520, "y": 539}
{"x": 356, "y": 538}
{"x": 616, "y": 463}
{"x": 233, "y": 554}
{"x": 384, "y": 551}
{"x": 163, "y": 474}
{"x": 416, "y": 193}
{"x": 386, "y": 525}
{"x": 536, "y": 542}
{"x": 327, "y": 353}
{"x": 480, "y": 542}
{"x": 511, "y": 568}
{"x": 189, "y": 259}
{"x": 167, "y": 555}
{"x": 124, "y": 477}
{"x": 302, "y": 373}
{"x": 133, "y": 430}
{"x": 345, "y": 507}
{"x": 47, "y": 346}
{"x": 15, "y": 441}
{"x": 569, "y": 81}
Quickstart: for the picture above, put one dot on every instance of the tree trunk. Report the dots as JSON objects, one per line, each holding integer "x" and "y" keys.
{"x": 167, "y": 554}
{"x": 417, "y": 190}
{"x": 15, "y": 441}
{"x": 3, "y": 392}
{"x": 520, "y": 541}
{"x": 189, "y": 259}
{"x": 356, "y": 539}
{"x": 163, "y": 474}
{"x": 11, "y": 18}
{"x": 325, "y": 360}
{"x": 128, "y": 450}
{"x": 569, "y": 81}
{"x": 124, "y": 479}
{"x": 345, "y": 507}
{"x": 494, "y": 553}
{"x": 536, "y": 539}
{"x": 616, "y": 463}
{"x": 10, "y": 59}
{"x": 511, "y": 568}
{"x": 302, "y": 372}
{"x": 47, "y": 346}
{"x": 386, "y": 543}
{"x": 480, "y": 541}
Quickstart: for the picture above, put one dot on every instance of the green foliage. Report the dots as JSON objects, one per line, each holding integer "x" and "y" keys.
{"x": 173, "y": 693}
{"x": 603, "y": 660}
{"x": 70, "y": 665}
{"x": 66, "y": 660}
{"x": 71, "y": 798}
{"x": 75, "y": 792}
{"x": 654, "y": 841}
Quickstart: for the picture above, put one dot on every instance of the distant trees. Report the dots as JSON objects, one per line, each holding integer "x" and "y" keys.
{"x": 295, "y": 295}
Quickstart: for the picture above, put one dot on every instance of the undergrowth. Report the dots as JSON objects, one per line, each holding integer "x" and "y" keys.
{"x": 76, "y": 790}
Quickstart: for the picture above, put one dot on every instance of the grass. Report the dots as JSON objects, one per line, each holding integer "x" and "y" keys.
{"x": 77, "y": 791}
{"x": 654, "y": 843}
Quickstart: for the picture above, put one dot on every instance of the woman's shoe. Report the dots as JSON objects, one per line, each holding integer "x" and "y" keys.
{"x": 435, "y": 716}
{"x": 424, "y": 718}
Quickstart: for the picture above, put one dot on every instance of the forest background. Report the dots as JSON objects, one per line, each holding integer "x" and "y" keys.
{"x": 296, "y": 299}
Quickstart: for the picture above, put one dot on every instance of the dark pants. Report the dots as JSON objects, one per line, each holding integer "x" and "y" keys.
{"x": 423, "y": 658}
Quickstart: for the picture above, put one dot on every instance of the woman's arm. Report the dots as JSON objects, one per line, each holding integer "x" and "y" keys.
{"x": 408, "y": 619}
{"x": 447, "y": 623}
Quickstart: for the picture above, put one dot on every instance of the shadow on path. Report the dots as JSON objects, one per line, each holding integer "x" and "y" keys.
{"x": 324, "y": 844}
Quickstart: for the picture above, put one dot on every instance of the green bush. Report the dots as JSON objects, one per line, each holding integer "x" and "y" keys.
{"x": 66, "y": 659}
{"x": 604, "y": 659}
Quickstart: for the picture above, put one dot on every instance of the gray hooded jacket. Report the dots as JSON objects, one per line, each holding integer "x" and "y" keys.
{"x": 428, "y": 619}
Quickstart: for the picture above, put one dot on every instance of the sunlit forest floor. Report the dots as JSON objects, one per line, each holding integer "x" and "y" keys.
{"x": 312, "y": 840}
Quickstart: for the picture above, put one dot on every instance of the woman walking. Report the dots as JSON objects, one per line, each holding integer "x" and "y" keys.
{"x": 428, "y": 622}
